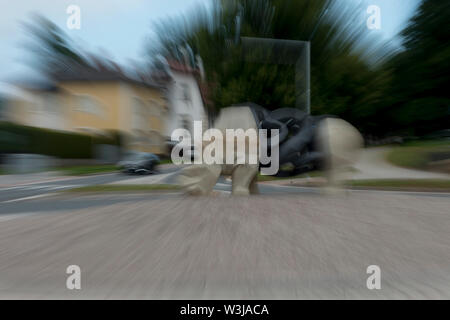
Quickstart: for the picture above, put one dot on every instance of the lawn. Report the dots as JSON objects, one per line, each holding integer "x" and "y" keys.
{"x": 166, "y": 161}
{"x": 417, "y": 154}
{"x": 311, "y": 174}
{"x": 93, "y": 169}
{"x": 404, "y": 184}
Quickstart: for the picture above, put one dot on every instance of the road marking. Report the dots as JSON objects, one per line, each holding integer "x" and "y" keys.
{"x": 50, "y": 180}
{"x": 317, "y": 189}
{"x": 35, "y": 187}
{"x": 48, "y": 187}
{"x": 12, "y": 216}
{"x": 30, "y": 197}
{"x": 12, "y": 188}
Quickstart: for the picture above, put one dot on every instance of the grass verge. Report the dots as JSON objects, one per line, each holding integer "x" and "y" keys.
{"x": 311, "y": 174}
{"x": 166, "y": 161}
{"x": 125, "y": 188}
{"x": 417, "y": 154}
{"x": 404, "y": 184}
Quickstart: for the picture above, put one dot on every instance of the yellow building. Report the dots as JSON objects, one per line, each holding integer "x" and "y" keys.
{"x": 97, "y": 102}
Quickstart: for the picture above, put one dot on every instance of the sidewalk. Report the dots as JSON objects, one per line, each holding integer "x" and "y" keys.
{"x": 371, "y": 165}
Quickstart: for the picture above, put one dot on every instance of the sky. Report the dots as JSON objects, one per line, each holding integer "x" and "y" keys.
{"x": 120, "y": 28}
{"x": 394, "y": 14}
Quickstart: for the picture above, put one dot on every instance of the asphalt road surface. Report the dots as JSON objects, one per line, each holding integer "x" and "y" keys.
{"x": 162, "y": 246}
{"x": 288, "y": 243}
{"x": 20, "y": 192}
{"x": 9, "y": 194}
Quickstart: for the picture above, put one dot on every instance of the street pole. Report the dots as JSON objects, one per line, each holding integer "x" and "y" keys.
{"x": 308, "y": 77}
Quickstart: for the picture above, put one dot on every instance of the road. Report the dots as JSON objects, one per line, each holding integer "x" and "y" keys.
{"x": 28, "y": 190}
{"x": 16, "y": 198}
{"x": 371, "y": 164}
{"x": 288, "y": 243}
{"x": 168, "y": 246}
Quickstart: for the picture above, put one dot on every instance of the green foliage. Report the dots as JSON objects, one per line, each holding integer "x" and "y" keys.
{"x": 353, "y": 74}
{"x": 410, "y": 157}
{"x": 404, "y": 184}
{"x": 419, "y": 96}
{"x": 52, "y": 48}
{"x": 23, "y": 139}
{"x": 342, "y": 82}
{"x": 112, "y": 137}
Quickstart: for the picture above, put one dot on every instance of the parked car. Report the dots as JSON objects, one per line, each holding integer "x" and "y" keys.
{"x": 139, "y": 163}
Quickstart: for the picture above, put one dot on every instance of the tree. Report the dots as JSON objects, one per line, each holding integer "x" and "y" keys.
{"x": 419, "y": 98}
{"x": 52, "y": 48}
{"x": 343, "y": 83}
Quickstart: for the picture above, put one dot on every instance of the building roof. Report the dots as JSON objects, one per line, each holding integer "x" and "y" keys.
{"x": 163, "y": 76}
{"x": 178, "y": 66}
{"x": 101, "y": 72}
{"x": 181, "y": 67}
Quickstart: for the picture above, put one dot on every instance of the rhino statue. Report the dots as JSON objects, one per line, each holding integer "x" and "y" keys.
{"x": 305, "y": 142}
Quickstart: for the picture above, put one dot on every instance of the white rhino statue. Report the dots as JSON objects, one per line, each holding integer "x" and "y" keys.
{"x": 305, "y": 141}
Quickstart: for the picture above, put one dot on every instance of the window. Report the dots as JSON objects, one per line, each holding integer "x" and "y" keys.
{"x": 51, "y": 104}
{"x": 186, "y": 122}
{"x": 154, "y": 107}
{"x": 139, "y": 114}
{"x": 185, "y": 93}
{"x": 87, "y": 104}
{"x": 46, "y": 103}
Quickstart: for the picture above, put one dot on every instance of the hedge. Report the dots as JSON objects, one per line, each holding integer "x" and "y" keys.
{"x": 16, "y": 138}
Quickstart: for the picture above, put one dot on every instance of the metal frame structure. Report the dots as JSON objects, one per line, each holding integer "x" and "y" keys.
{"x": 279, "y": 51}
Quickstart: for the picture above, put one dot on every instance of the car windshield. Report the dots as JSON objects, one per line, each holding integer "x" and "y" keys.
{"x": 138, "y": 156}
{"x": 133, "y": 157}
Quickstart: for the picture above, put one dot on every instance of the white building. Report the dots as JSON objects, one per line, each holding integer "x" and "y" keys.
{"x": 185, "y": 99}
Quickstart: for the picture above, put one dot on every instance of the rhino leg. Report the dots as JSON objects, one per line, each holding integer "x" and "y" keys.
{"x": 243, "y": 177}
{"x": 199, "y": 179}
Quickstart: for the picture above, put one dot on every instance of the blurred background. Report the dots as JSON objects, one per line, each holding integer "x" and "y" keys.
{"x": 90, "y": 92}
{"x": 130, "y": 73}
